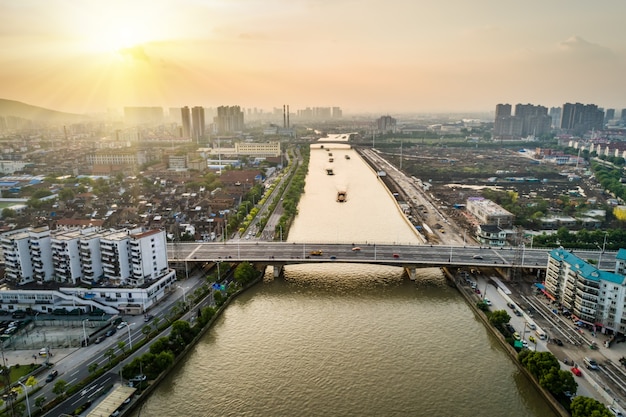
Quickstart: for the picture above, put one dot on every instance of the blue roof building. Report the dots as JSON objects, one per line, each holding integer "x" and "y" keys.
{"x": 595, "y": 297}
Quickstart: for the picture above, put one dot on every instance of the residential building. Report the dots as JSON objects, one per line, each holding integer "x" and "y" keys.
{"x": 581, "y": 118}
{"x": 386, "y": 124}
{"x": 123, "y": 270}
{"x": 491, "y": 235}
{"x": 594, "y": 297}
{"x": 489, "y": 213}
{"x": 186, "y": 122}
{"x": 229, "y": 119}
{"x": 529, "y": 120}
{"x": 198, "y": 125}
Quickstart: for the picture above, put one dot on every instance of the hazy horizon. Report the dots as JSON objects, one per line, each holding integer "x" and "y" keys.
{"x": 367, "y": 56}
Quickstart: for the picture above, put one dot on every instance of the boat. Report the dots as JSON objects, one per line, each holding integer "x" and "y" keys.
{"x": 330, "y": 159}
{"x": 329, "y": 171}
{"x": 341, "y": 196}
{"x": 347, "y": 156}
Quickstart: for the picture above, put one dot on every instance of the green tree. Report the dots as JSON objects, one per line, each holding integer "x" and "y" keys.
{"x": 59, "y": 387}
{"x": 146, "y": 330}
{"x": 499, "y": 317}
{"x": 160, "y": 345}
{"x": 588, "y": 407}
{"x": 121, "y": 345}
{"x": 8, "y": 213}
{"x": 110, "y": 353}
{"x": 93, "y": 368}
{"x": 40, "y": 402}
{"x": 244, "y": 273}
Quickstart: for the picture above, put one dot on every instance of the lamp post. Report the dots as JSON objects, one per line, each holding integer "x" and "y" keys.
{"x": 184, "y": 292}
{"x": 85, "y": 332}
{"x": 130, "y": 340}
{"x": 25, "y": 393}
{"x": 523, "y": 253}
{"x": 603, "y": 248}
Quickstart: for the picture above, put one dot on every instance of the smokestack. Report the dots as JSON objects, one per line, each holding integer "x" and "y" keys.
{"x": 284, "y": 119}
{"x": 288, "y": 115}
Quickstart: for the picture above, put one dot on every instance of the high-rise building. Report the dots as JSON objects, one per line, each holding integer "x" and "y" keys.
{"x": 623, "y": 116}
{"x": 198, "y": 126}
{"x": 186, "y": 122}
{"x": 386, "y": 124}
{"x": 555, "y": 114}
{"x": 609, "y": 115}
{"x": 528, "y": 120}
{"x": 590, "y": 294}
{"x": 229, "y": 119}
{"x": 581, "y": 118}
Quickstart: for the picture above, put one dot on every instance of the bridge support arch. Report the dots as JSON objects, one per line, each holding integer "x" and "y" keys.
{"x": 411, "y": 272}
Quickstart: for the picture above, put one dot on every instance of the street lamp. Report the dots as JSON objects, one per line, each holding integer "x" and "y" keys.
{"x": 26, "y": 393}
{"x": 603, "y": 247}
{"x": 523, "y": 253}
{"x": 184, "y": 295}
{"x": 85, "y": 332}
{"x": 130, "y": 340}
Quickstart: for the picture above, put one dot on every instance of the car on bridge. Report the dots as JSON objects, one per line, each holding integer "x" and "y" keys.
{"x": 356, "y": 249}
{"x": 317, "y": 253}
{"x": 395, "y": 255}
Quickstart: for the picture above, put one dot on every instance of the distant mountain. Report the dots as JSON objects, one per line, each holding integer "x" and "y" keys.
{"x": 38, "y": 114}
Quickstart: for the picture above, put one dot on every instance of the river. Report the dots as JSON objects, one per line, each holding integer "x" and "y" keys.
{"x": 346, "y": 340}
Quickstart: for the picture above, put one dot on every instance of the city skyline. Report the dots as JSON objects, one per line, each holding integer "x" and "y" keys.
{"x": 370, "y": 56}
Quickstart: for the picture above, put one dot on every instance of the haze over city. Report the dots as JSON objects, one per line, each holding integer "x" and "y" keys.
{"x": 365, "y": 56}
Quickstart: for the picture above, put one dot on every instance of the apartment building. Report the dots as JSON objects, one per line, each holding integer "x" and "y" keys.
{"x": 593, "y": 296}
{"x": 489, "y": 213}
{"x": 123, "y": 269}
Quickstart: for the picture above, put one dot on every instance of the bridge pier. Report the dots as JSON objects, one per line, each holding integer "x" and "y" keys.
{"x": 278, "y": 269}
{"x": 411, "y": 272}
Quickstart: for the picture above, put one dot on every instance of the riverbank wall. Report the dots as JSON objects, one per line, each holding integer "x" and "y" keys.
{"x": 472, "y": 302}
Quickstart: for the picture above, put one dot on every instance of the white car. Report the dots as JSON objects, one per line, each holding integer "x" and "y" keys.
{"x": 122, "y": 325}
{"x": 615, "y": 411}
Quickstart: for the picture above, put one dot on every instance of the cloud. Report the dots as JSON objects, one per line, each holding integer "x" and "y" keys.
{"x": 579, "y": 47}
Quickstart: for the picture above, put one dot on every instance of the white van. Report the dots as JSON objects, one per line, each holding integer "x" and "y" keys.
{"x": 541, "y": 335}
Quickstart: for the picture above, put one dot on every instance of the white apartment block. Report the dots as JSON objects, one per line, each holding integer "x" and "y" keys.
{"x": 595, "y": 297}
{"x": 488, "y": 212}
{"x": 125, "y": 270}
{"x": 252, "y": 149}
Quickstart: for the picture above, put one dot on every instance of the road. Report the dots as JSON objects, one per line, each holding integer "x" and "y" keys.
{"x": 417, "y": 255}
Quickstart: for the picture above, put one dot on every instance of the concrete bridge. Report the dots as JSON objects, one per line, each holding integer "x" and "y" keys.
{"x": 409, "y": 257}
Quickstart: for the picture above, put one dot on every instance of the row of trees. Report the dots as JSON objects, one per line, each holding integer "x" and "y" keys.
{"x": 546, "y": 370}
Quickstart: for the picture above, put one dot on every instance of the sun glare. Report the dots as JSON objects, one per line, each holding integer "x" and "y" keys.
{"x": 116, "y": 40}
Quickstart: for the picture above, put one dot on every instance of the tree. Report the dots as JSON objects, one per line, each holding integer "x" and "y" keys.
{"x": 499, "y": 317}
{"x": 110, "y": 353}
{"x": 244, "y": 273}
{"x": 588, "y": 407}
{"x": 8, "y": 213}
{"x": 59, "y": 387}
{"x": 40, "y": 402}
{"x": 146, "y": 330}
{"x": 121, "y": 345}
{"x": 93, "y": 367}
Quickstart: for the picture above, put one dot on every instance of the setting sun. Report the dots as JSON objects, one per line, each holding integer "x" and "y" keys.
{"x": 116, "y": 39}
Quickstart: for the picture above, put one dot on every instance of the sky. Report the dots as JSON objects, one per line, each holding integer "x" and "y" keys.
{"x": 375, "y": 56}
